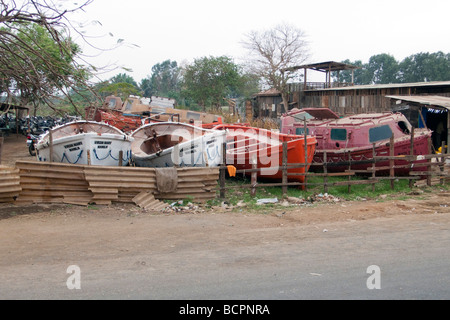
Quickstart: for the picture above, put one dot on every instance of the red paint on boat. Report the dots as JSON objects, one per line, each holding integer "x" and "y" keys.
{"x": 353, "y": 138}
{"x": 246, "y": 143}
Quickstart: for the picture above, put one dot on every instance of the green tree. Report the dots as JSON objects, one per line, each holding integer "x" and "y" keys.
{"x": 248, "y": 85}
{"x": 38, "y": 60}
{"x": 360, "y": 76}
{"x": 119, "y": 89}
{"x": 146, "y": 88}
{"x": 165, "y": 79}
{"x": 423, "y": 67}
{"x": 210, "y": 79}
{"x": 124, "y": 78}
{"x": 121, "y": 85}
{"x": 383, "y": 68}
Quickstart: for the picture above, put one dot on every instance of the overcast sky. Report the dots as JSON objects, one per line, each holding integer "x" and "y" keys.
{"x": 184, "y": 30}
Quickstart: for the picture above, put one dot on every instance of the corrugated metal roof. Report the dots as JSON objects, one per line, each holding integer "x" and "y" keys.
{"x": 269, "y": 92}
{"x": 388, "y": 86}
{"x": 162, "y": 102}
{"x": 438, "y": 101}
{"x": 325, "y": 66}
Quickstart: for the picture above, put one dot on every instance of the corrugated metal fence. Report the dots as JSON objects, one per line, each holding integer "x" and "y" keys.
{"x": 44, "y": 182}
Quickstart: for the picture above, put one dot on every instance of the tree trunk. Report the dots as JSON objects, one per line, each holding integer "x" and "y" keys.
{"x": 202, "y": 104}
{"x": 285, "y": 98}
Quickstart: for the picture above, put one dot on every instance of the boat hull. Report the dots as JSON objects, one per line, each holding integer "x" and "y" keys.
{"x": 88, "y": 148}
{"x": 202, "y": 151}
{"x": 363, "y": 157}
{"x": 122, "y": 122}
{"x": 248, "y": 145}
{"x": 353, "y": 139}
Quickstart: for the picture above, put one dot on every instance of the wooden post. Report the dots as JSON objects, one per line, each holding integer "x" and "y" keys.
{"x": 391, "y": 161}
{"x": 1, "y": 147}
{"x": 441, "y": 166}
{"x": 120, "y": 158}
{"x": 411, "y": 152}
{"x": 325, "y": 171}
{"x": 305, "y": 167}
{"x": 349, "y": 187}
{"x": 374, "y": 166}
{"x": 17, "y": 122}
{"x": 448, "y": 133}
{"x": 88, "y": 156}
{"x": 284, "y": 161}
{"x": 222, "y": 171}
{"x": 429, "y": 163}
{"x": 304, "y": 83}
{"x": 254, "y": 175}
{"x": 50, "y": 136}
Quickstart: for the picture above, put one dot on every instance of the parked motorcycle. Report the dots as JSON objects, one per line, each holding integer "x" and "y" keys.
{"x": 31, "y": 143}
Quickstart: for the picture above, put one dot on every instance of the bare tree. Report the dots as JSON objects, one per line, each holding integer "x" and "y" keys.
{"x": 271, "y": 54}
{"x": 38, "y": 59}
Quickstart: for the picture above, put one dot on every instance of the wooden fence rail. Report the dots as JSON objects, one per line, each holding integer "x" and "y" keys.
{"x": 1, "y": 148}
{"x": 371, "y": 172}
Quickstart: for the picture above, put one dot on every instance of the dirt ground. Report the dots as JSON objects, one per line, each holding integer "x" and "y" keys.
{"x": 15, "y": 148}
{"x": 41, "y": 224}
{"x": 322, "y": 210}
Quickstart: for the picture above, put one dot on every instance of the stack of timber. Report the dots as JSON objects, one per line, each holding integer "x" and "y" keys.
{"x": 45, "y": 182}
{"x": 9, "y": 184}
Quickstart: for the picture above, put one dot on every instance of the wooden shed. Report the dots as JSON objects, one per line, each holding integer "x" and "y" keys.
{"x": 368, "y": 98}
{"x": 426, "y": 111}
{"x": 269, "y": 104}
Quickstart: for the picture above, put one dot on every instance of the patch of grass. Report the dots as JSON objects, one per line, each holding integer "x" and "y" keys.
{"x": 382, "y": 191}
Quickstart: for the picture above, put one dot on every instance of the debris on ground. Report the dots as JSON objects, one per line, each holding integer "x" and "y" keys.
{"x": 266, "y": 200}
{"x": 180, "y": 207}
{"x": 321, "y": 197}
{"x": 325, "y": 197}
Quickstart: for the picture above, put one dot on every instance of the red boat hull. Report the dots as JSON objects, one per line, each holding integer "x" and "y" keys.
{"x": 365, "y": 155}
{"x": 352, "y": 138}
{"x": 125, "y": 123}
{"x": 248, "y": 144}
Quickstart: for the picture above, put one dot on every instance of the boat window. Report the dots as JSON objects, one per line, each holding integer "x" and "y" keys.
{"x": 193, "y": 115}
{"x": 129, "y": 104}
{"x": 158, "y": 110}
{"x": 301, "y": 131}
{"x": 403, "y": 126}
{"x": 380, "y": 133}
{"x": 301, "y": 116}
{"x": 112, "y": 103}
{"x": 339, "y": 134}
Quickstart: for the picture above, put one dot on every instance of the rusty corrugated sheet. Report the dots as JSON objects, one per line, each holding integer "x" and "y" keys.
{"x": 146, "y": 200}
{"x": 9, "y": 184}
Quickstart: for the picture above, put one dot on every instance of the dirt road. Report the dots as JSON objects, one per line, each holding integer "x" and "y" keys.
{"x": 39, "y": 242}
